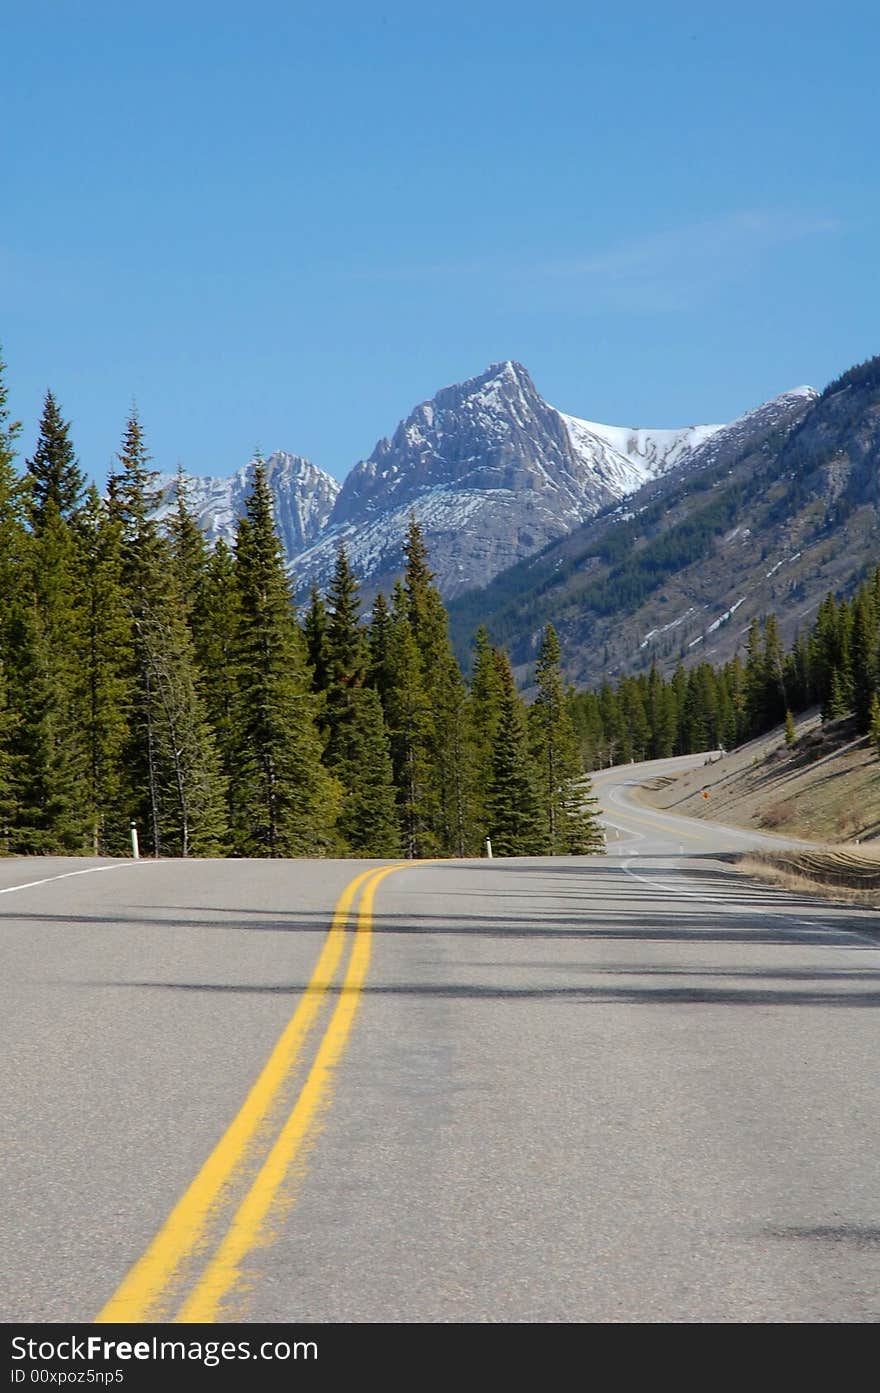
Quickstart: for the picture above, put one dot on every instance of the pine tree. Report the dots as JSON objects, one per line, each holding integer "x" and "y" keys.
{"x": 874, "y": 722}
{"x": 790, "y": 731}
{"x": 347, "y": 653}
{"x": 315, "y": 634}
{"x": 54, "y": 473}
{"x": 565, "y": 793}
{"x": 634, "y": 719}
{"x": 408, "y": 716}
{"x": 285, "y": 802}
{"x": 189, "y": 550}
{"x": 105, "y": 641}
{"x": 515, "y": 824}
{"x": 379, "y": 673}
{"x": 449, "y": 762}
{"x": 191, "y": 789}
{"x": 133, "y": 498}
{"x": 484, "y": 711}
{"x": 864, "y": 656}
{"x": 368, "y": 821}
{"x": 215, "y": 623}
{"x": 755, "y": 684}
{"x": 447, "y": 765}
{"x": 836, "y": 704}
{"x": 173, "y": 770}
{"x": 776, "y": 697}
{"x": 61, "y": 810}
{"x": 661, "y": 716}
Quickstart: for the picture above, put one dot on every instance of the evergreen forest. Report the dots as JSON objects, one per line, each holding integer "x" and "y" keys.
{"x": 835, "y": 666}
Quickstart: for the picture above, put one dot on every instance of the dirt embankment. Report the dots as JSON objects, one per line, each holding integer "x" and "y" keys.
{"x": 824, "y": 789}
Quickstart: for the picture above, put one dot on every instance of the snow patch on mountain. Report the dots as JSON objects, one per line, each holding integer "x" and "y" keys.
{"x": 646, "y": 453}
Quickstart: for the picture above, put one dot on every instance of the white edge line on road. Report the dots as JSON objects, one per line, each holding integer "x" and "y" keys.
{"x": 66, "y": 875}
{"x": 850, "y": 934}
{"x": 672, "y": 889}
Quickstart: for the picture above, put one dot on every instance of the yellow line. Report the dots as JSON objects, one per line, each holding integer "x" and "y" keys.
{"x": 248, "y": 1229}
{"x": 184, "y": 1231}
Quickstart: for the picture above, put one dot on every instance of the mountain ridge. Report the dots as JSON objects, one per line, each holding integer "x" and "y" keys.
{"x": 490, "y": 469}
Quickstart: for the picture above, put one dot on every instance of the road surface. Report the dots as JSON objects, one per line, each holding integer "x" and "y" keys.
{"x": 631, "y": 1087}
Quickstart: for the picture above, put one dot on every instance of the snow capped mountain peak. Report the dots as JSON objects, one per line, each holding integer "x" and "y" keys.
{"x": 491, "y": 471}
{"x": 302, "y": 493}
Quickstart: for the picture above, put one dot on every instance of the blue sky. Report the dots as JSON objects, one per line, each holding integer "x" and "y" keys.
{"x": 286, "y": 223}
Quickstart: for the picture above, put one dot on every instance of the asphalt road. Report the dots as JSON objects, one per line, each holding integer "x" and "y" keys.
{"x": 634, "y": 1087}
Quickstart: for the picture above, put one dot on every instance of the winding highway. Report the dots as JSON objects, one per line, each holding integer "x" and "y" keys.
{"x": 634, "y": 1087}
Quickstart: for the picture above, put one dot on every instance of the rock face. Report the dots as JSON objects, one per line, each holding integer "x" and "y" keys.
{"x": 766, "y": 516}
{"x": 492, "y": 473}
{"x": 303, "y": 494}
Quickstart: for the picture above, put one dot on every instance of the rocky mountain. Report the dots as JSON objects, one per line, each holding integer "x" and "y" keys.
{"x": 766, "y": 515}
{"x": 496, "y": 476}
{"x": 493, "y": 473}
{"x": 304, "y": 498}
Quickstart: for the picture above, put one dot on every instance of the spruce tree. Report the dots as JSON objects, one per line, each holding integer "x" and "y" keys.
{"x": 55, "y": 477}
{"x": 357, "y": 750}
{"x": 864, "y": 656}
{"x": 215, "y": 621}
{"x": 105, "y": 641}
{"x": 661, "y": 716}
{"x": 565, "y": 793}
{"x": 315, "y": 634}
{"x": 61, "y": 809}
{"x": 411, "y": 730}
{"x": 368, "y": 820}
{"x": 285, "y": 802}
{"x": 449, "y": 764}
{"x": 874, "y": 722}
{"x": 379, "y": 673}
{"x": 174, "y": 779}
{"x": 515, "y": 824}
{"x": 836, "y": 704}
{"x": 189, "y": 550}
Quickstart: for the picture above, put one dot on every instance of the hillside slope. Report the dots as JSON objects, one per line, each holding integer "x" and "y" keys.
{"x": 768, "y": 515}
{"x": 825, "y": 788}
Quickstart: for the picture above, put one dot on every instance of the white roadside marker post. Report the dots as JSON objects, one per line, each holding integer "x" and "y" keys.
{"x": 135, "y": 849}
{"x": 489, "y": 848}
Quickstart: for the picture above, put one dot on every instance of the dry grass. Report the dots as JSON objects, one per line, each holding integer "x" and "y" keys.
{"x": 835, "y": 873}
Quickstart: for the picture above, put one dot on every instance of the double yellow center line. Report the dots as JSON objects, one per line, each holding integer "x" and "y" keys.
{"x": 195, "y": 1262}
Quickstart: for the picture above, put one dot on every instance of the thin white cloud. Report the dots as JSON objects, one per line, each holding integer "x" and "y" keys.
{"x": 668, "y": 270}
{"x": 674, "y": 268}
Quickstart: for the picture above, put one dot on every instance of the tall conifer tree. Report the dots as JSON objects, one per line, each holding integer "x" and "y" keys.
{"x": 56, "y": 479}
{"x": 174, "y": 775}
{"x": 515, "y": 824}
{"x": 105, "y": 640}
{"x": 284, "y": 800}
{"x": 567, "y": 802}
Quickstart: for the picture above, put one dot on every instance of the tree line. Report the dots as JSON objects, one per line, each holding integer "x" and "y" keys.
{"x": 148, "y": 678}
{"x": 835, "y": 665}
